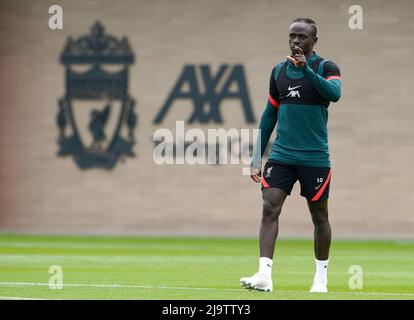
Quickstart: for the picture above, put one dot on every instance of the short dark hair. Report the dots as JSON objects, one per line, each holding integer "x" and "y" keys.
{"x": 310, "y": 22}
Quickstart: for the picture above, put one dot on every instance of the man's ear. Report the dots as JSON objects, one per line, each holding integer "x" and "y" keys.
{"x": 315, "y": 39}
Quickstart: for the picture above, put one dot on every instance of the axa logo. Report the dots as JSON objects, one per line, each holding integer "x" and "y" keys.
{"x": 207, "y": 91}
{"x": 293, "y": 93}
{"x": 96, "y": 117}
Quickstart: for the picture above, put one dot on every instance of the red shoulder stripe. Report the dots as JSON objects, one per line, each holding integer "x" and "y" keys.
{"x": 273, "y": 102}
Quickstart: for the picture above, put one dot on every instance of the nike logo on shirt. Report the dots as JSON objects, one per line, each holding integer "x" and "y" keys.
{"x": 293, "y": 87}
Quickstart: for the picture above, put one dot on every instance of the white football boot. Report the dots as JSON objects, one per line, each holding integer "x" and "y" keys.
{"x": 258, "y": 282}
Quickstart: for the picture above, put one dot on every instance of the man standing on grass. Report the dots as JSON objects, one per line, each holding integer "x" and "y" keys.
{"x": 301, "y": 89}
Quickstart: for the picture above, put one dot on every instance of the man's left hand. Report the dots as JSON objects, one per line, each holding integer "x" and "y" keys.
{"x": 298, "y": 59}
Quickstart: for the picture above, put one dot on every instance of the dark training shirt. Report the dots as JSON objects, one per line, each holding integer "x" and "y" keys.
{"x": 298, "y": 102}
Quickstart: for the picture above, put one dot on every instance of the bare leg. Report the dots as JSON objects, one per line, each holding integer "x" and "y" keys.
{"x": 319, "y": 212}
{"x": 273, "y": 199}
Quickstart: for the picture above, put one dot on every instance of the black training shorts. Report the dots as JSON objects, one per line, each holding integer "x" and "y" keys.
{"x": 314, "y": 181}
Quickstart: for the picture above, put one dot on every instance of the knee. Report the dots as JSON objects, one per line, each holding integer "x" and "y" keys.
{"x": 270, "y": 210}
{"x": 320, "y": 220}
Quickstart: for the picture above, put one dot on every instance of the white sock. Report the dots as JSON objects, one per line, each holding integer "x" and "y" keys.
{"x": 321, "y": 274}
{"x": 265, "y": 266}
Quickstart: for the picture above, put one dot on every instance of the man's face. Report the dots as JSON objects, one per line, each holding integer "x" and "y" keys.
{"x": 300, "y": 34}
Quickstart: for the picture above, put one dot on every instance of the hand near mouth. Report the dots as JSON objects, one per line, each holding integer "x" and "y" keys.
{"x": 298, "y": 59}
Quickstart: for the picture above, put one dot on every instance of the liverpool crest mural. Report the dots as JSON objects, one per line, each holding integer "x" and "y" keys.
{"x": 96, "y": 117}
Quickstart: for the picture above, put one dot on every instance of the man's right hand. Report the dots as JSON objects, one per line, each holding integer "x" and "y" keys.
{"x": 256, "y": 175}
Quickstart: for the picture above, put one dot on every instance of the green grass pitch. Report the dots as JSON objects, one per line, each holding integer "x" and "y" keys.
{"x": 184, "y": 268}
